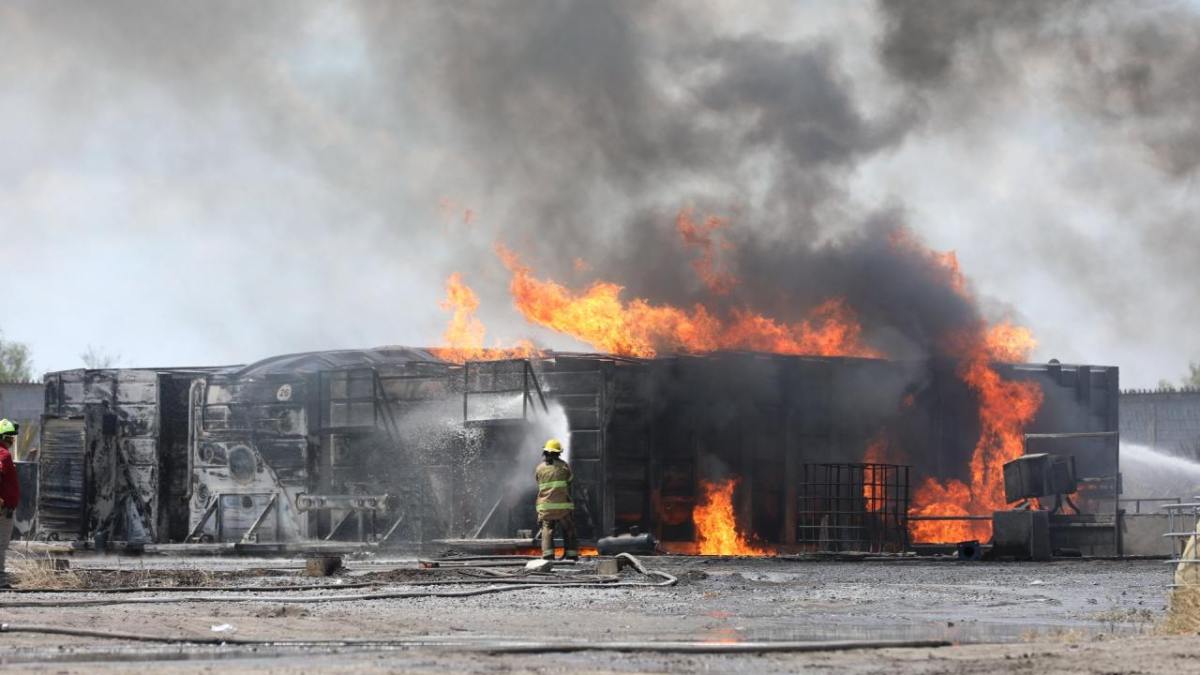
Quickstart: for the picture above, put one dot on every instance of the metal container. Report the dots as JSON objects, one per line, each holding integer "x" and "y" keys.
{"x": 1039, "y": 475}
{"x": 633, "y": 541}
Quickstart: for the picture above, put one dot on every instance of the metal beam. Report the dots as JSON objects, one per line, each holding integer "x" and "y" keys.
{"x": 488, "y": 519}
{"x": 212, "y": 508}
{"x": 949, "y": 517}
{"x": 391, "y": 530}
{"x": 249, "y": 535}
{"x": 340, "y": 523}
{"x": 1078, "y": 434}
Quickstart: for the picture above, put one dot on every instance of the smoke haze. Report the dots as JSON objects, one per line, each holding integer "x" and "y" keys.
{"x": 189, "y": 183}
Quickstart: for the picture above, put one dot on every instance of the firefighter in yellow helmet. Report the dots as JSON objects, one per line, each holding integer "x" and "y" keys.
{"x": 10, "y": 491}
{"x": 554, "y": 506}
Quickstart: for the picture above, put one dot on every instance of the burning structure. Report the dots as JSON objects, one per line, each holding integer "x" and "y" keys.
{"x": 804, "y": 325}
{"x": 712, "y": 453}
{"x": 879, "y": 413}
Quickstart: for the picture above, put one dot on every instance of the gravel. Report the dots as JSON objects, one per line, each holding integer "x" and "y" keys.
{"x": 1055, "y": 604}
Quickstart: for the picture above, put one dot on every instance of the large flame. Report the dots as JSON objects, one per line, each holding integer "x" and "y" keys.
{"x": 873, "y": 488}
{"x": 716, "y": 527}
{"x": 942, "y": 264}
{"x": 599, "y": 317}
{"x": 1005, "y": 409}
{"x": 465, "y": 333}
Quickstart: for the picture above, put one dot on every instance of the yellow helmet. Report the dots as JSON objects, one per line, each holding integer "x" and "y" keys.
{"x": 8, "y": 428}
{"x": 552, "y": 445}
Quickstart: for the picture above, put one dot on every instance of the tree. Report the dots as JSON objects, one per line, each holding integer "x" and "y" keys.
{"x": 96, "y": 358}
{"x": 1193, "y": 378}
{"x": 15, "y": 362}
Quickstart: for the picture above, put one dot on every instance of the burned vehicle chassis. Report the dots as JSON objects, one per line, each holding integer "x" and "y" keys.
{"x": 397, "y": 447}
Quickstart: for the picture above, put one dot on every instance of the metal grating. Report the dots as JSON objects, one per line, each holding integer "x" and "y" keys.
{"x": 61, "y": 480}
{"x": 853, "y": 507}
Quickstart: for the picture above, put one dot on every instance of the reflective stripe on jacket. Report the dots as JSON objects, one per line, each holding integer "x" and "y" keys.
{"x": 554, "y": 489}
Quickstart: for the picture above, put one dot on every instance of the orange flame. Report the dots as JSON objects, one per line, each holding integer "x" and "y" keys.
{"x": 700, "y": 235}
{"x": 599, "y": 317}
{"x": 949, "y": 498}
{"x": 873, "y": 493}
{"x": 536, "y": 551}
{"x": 716, "y": 527}
{"x": 942, "y": 263}
{"x": 1005, "y": 409}
{"x": 465, "y": 333}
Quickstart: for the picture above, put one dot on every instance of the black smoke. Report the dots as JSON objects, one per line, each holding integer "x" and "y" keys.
{"x": 579, "y": 129}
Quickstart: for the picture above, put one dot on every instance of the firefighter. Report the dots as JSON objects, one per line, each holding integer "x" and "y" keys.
{"x": 554, "y": 506}
{"x": 10, "y": 491}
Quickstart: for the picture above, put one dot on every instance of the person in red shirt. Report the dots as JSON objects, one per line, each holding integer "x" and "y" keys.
{"x": 10, "y": 491}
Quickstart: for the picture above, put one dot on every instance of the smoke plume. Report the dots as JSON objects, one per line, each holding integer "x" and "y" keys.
{"x": 238, "y": 180}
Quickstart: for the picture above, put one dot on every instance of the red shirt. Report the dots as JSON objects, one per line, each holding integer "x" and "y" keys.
{"x": 10, "y": 490}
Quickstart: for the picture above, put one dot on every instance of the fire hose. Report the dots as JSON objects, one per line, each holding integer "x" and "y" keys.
{"x": 492, "y": 575}
{"x": 497, "y": 646}
{"x": 498, "y": 585}
{"x": 486, "y": 645}
{"x": 195, "y": 589}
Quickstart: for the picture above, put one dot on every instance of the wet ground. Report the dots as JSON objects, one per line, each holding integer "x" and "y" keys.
{"x": 1061, "y": 608}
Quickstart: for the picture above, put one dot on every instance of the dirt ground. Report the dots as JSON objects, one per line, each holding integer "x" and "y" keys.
{"x": 1126, "y": 655}
{"x": 1085, "y": 616}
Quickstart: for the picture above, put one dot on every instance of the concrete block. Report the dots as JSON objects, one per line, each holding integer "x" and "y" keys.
{"x": 1024, "y": 535}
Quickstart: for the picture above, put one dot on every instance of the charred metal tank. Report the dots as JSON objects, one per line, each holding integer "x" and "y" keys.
{"x": 321, "y": 446}
{"x": 108, "y": 463}
{"x": 633, "y": 541}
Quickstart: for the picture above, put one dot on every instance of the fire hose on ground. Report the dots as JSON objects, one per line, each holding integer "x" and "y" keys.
{"x": 487, "y": 575}
{"x": 198, "y": 589}
{"x": 486, "y": 645}
{"x": 497, "y": 646}
{"x": 496, "y": 585}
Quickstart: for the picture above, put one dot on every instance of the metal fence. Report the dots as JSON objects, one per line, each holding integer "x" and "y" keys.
{"x": 854, "y": 507}
{"x": 1182, "y": 520}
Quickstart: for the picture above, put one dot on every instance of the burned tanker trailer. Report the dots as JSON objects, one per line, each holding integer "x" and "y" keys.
{"x": 113, "y": 455}
{"x": 344, "y": 446}
{"x": 723, "y": 453}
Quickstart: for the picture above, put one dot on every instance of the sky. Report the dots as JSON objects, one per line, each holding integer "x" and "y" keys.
{"x": 211, "y": 183}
